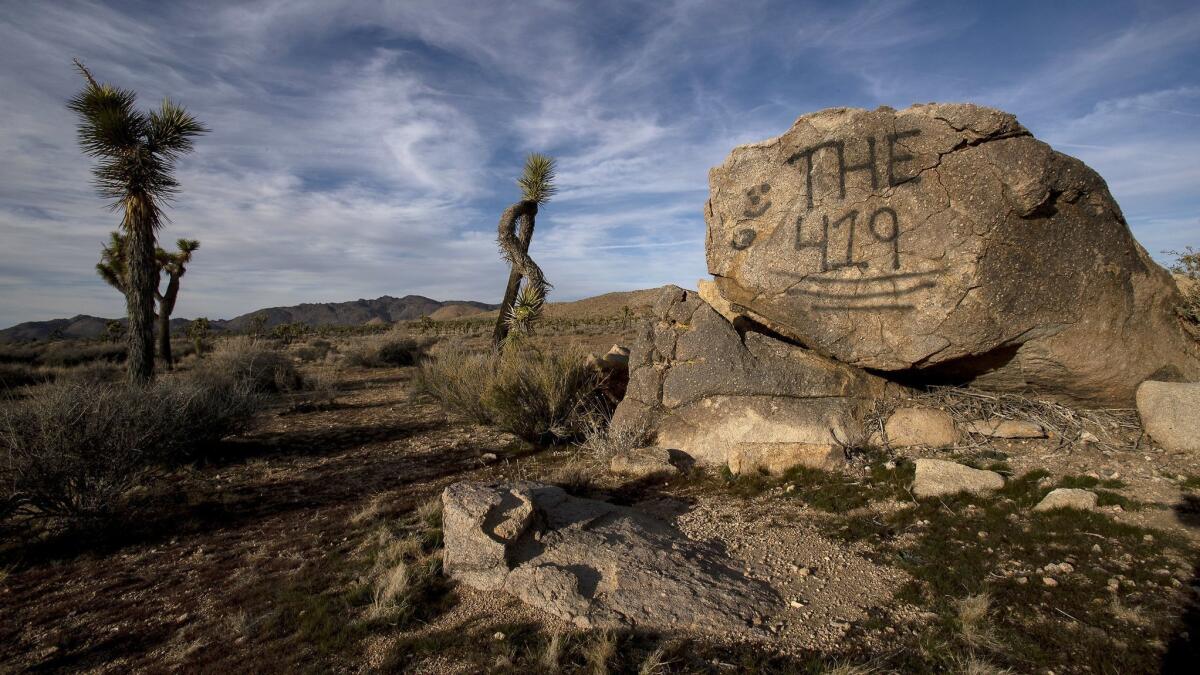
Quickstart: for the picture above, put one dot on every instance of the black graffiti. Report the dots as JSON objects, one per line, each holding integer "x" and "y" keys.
{"x": 869, "y": 166}
{"x": 849, "y": 221}
{"x": 894, "y": 159}
{"x": 742, "y": 239}
{"x": 893, "y": 238}
{"x": 758, "y": 205}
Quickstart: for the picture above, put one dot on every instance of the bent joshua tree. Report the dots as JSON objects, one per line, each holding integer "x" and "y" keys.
{"x": 136, "y": 169}
{"x": 537, "y": 186}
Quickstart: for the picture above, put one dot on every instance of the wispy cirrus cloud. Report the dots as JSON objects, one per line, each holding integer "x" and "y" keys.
{"x": 367, "y": 147}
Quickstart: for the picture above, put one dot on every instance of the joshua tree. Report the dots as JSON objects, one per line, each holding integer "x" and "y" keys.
{"x": 537, "y": 187}
{"x": 137, "y": 153}
{"x": 114, "y": 268}
{"x": 175, "y": 265}
{"x": 198, "y": 331}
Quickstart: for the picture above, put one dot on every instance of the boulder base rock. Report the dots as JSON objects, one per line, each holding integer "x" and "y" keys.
{"x": 936, "y": 477}
{"x": 1068, "y": 498}
{"x": 776, "y": 458}
{"x": 909, "y": 427}
{"x": 1170, "y": 413}
{"x": 943, "y": 242}
{"x": 643, "y": 463}
{"x": 704, "y": 386}
{"x": 594, "y": 564}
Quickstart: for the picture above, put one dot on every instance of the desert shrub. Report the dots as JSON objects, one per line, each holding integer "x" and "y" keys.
{"x": 69, "y": 354}
{"x": 1187, "y": 265}
{"x": 316, "y": 350}
{"x": 387, "y": 351}
{"x": 543, "y": 396}
{"x": 403, "y": 352}
{"x": 95, "y": 372}
{"x": 10, "y": 353}
{"x": 73, "y": 449}
{"x": 13, "y": 375}
{"x": 458, "y": 379}
{"x": 539, "y": 396}
{"x": 246, "y": 359}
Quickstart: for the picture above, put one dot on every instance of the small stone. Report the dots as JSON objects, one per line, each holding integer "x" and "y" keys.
{"x": 803, "y": 572}
{"x": 498, "y": 636}
{"x": 1095, "y": 548}
{"x": 930, "y": 427}
{"x": 1066, "y": 568}
{"x": 1148, "y": 538}
{"x": 1022, "y": 580}
{"x": 796, "y": 604}
{"x": 1068, "y": 498}
{"x": 488, "y": 458}
{"x": 1049, "y": 581}
{"x": 1088, "y": 437}
{"x": 936, "y": 477}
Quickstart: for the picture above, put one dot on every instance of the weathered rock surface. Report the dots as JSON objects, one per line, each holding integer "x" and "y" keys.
{"x": 776, "y": 458}
{"x": 1068, "y": 498}
{"x": 998, "y": 428}
{"x": 592, "y": 563}
{"x": 705, "y": 386}
{"x": 943, "y": 242}
{"x": 936, "y": 477}
{"x": 1170, "y": 413}
{"x": 643, "y": 462}
{"x": 909, "y": 427}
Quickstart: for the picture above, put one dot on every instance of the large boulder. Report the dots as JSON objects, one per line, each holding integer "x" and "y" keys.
{"x": 718, "y": 391}
{"x": 595, "y": 564}
{"x": 1170, "y": 413}
{"x": 943, "y": 243}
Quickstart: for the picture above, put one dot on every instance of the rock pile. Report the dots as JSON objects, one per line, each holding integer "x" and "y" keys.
{"x": 863, "y": 252}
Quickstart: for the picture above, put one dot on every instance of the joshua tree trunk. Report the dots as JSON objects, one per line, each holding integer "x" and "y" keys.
{"x": 166, "y": 305}
{"x": 143, "y": 279}
{"x": 526, "y": 211}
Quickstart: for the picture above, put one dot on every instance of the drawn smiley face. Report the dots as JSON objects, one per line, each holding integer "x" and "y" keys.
{"x": 757, "y": 202}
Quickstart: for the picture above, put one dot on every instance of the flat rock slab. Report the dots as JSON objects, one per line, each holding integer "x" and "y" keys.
{"x": 1170, "y": 412}
{"x": 1068, "y": 498}
{"x": 936, "y": 477}
{"x": 595, "y": 564}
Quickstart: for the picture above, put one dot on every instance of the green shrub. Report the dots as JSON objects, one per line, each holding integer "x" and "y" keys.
{"x": 387, "y": 351}
{"x": 541, "y": 397}
{"x": 403, "y": 352}
{"x": 252, "y": 361}
{"x": 74, "y": 449}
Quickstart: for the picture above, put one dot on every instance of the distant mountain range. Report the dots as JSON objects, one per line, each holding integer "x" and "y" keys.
{"x": 352, "y": 313}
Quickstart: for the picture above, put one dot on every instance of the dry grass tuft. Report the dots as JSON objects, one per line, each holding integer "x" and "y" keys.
{"x": 552, "y": 653}
{"x": 601, "y": 441}
{"x": 599, "y": 651}
{"x": 973, "y": 620}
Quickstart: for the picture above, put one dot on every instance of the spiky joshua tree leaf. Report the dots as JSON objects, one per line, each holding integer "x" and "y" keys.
{"x": 526, "y": 311}
{"x": 537, "y": 180}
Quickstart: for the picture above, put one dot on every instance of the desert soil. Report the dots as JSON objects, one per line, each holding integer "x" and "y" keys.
{"x": 246, "y": 562}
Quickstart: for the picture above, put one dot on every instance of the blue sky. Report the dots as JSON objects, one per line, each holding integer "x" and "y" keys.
{"x": 366, "y": 148}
